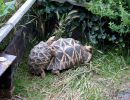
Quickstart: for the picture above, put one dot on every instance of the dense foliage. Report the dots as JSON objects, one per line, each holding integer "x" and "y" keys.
{"x": 97, "y": 21}
{"x": 118, "y": 12}
{"x": 101, "y": 20}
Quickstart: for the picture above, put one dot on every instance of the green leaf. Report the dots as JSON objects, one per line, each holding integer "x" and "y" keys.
{"x": 113, "y": 37}
{"x": 96, "y": 28}
{"x": 90, "y": 24}
{"x": 6, "y": 8}
{"x": 10, "y": 5}
{"x": 103, "y": 36}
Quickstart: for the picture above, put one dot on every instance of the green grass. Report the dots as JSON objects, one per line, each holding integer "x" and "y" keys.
{"x": 100, "y": 81}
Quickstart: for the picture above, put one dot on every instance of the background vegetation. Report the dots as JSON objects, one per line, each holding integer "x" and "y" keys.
{"x": 102, "y": 23}
{"x": 107, "y": 75}
{"x": 99, "y": 21}
{"x": 6, "y": 10}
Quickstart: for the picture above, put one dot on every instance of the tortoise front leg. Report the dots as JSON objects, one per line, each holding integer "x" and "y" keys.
{"x": 56, "y": 72}
{"x": 42, "y": 73}
{"x": 53, "y": 51}
{"x": 87, "y": 61}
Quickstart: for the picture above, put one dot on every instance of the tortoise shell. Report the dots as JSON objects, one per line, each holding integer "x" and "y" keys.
{"x": 68, "y": 53}
{"x": 39, "y": 57}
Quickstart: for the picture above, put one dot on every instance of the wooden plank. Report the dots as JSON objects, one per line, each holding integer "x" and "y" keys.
{"x": 5, "y": 64}
{"x": 17, "y": 48}
{"x": 17, "y": 45}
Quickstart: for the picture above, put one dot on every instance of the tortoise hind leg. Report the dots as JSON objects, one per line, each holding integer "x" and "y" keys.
{"x": 56, "y": 72}
{"x": 43, "y": 74}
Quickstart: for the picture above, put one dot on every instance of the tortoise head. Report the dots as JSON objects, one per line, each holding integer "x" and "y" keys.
{"x": 51, "y": 40}
{"x": 88, "y": 50}
{"x": 35, "y": 70}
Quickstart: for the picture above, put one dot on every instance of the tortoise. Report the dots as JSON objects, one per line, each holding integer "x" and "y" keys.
{"x": 57, "y": 54}
{"x": 68, "y": 53}
{"x": 40, "y": 56}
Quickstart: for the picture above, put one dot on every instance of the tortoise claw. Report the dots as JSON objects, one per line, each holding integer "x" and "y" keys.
{"x": 43, "y": 74}
{"x": 56, "y": 72}
{"x": 86, "y": 62}
{"x": 89, "y": 58}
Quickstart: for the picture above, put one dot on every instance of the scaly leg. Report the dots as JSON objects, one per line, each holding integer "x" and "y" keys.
{"x": 56, "y": 72}
{"x": 43, "y": 73}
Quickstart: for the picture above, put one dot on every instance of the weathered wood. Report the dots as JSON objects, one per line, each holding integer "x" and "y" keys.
{"x": 4, "y": 31}
{"x": 6, "y": 84}
{"x": 17, "y": 48}
{"x": 5, "y": 64}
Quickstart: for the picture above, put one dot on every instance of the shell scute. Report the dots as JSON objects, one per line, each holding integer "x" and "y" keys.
{"x": 39, "y": 57}
{"x": 71, "y": 53}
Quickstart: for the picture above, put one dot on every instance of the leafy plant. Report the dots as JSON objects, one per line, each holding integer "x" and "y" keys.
{"x": 47, "y": 18}
{"x": 5, "y": 9}
{"x": 65, "y": 26}
{"x": 96, "y": 30}
{"x": 117, "y": 12}
{"x": 100, "y": 21}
